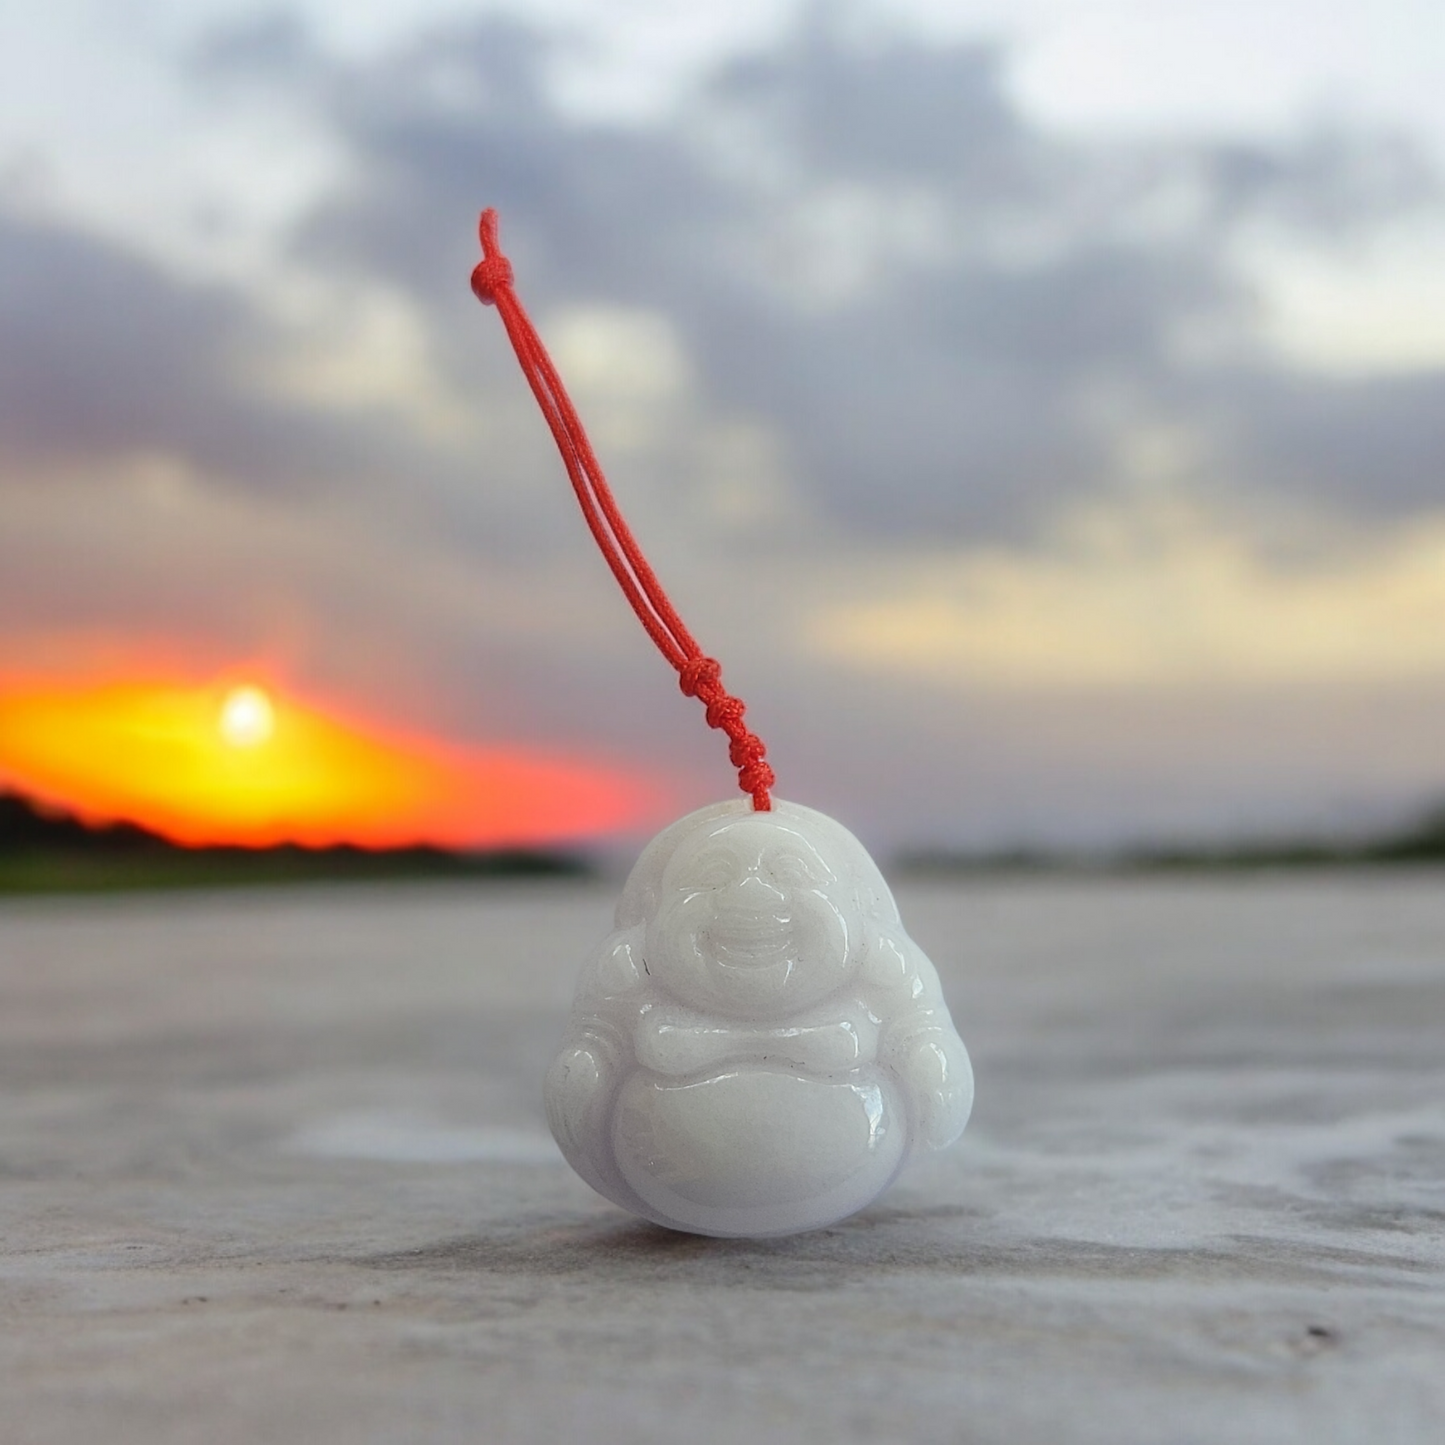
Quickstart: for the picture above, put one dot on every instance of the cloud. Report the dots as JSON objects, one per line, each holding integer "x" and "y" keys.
{"x": 867, "y": 249}
{"x": 108, "y": 356}
{"x": 1334, "y": 184}
{"x": 1153, "y": 597}
{"x": 887, "y": 114}
{"x": 1369, "y": 444}
{"x": 103, "y": 351}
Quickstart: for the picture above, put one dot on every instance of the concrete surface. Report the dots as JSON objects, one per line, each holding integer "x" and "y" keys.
{"x": 273, "y": 1169}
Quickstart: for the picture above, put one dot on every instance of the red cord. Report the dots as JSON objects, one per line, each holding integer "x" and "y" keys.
{"x": 700, "y": 676}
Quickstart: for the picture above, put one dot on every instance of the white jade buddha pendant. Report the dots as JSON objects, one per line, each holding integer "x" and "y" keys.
{"x": 758, "y": 1045}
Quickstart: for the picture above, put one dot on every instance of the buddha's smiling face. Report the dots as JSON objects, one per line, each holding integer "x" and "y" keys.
{"x": 752, "y": 921}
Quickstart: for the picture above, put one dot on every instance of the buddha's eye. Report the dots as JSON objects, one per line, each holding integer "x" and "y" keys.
{"x": 714, "y": 870}
{"x": 792, "y": 871}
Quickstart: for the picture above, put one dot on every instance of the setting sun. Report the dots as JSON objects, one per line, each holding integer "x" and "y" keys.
{"x": 252, "y": 765}
{"x": 247, "y": 717}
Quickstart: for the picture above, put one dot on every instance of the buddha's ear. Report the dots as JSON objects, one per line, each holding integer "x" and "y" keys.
{"x": 613, "y": 970}
{"x": 854, "y": 864}
{"x": 619, "y": 965}
{"x": 886, "y": 958}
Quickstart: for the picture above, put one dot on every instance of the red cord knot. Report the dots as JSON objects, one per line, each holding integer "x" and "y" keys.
{"x": 726, "y": 713}
{"x": 757, "y": 778}
{"x": 493, "y": 273}
{"x": 489, "y": 275}
{"x": 697, "y": 674}
{"x": 701, "y": 677}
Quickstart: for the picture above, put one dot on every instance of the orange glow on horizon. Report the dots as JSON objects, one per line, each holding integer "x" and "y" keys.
{"x": 245, "y": 764}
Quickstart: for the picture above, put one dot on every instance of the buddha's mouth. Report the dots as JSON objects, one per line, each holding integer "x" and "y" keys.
{"x": 755, "y": 939}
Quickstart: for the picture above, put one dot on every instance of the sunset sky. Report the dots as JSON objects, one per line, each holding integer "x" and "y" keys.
{"x": 1039, "y": 407}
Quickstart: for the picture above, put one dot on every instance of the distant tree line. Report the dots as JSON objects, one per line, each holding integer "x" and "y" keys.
{"x": 47, "y": 849}
{"x": 1419, "y": 841}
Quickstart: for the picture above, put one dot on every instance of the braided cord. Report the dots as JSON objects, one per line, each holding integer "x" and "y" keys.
{"x": 699, "y": 676}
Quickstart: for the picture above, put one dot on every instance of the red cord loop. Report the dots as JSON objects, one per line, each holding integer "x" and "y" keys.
{"x": 698, "y": 676}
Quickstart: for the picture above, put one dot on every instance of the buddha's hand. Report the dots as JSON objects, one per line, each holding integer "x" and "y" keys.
{"x": 579, "y": 1087}
{"x": 940, "y": 1085}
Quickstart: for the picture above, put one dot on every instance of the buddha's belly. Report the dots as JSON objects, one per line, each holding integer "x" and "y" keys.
{"x": 753, "y": 1151}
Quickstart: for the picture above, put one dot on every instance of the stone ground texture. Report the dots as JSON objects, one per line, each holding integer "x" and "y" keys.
{"x": 273, "y": 1169}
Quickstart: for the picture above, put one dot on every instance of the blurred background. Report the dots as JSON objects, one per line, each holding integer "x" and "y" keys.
{"x": 1039, "y": 407}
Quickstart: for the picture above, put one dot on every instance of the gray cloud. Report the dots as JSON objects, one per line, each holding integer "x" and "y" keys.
{"x": 888, "y": 113}
{"x": 1375, "y": 444}
{"x": 949, "y": 390}
{"x": 104, "y": 352}
{"x": 107, "y": 355}
{"x": 1333, "y": 184}
{"x": 109, "y": 358}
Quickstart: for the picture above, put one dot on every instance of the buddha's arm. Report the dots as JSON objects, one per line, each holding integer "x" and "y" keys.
{"x": 678, "y": 1041}
{"x": 920, "y": 1043}
{"x": 585, "y": 1074}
